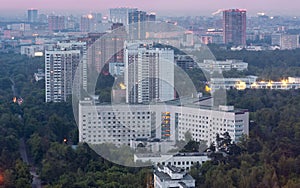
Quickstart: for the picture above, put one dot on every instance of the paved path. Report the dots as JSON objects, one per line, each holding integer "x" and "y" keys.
{"x": 36, "y": 182}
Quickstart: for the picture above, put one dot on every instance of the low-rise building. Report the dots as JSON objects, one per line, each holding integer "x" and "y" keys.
{"x": 170, "y": 176}
{"x": 219, "y": 66}
{"x": 251, "y": 82}
{"x": 116, "y": 68}
{"x": 32, "y": 50}
{"x": 293, "y": 79}
{"x": 180, "y": 160}
{"x": 230, "y": 83}
{"x": 185, "y": 62}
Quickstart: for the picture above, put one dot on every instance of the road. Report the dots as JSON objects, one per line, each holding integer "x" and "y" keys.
{"x": 36, "y": 182}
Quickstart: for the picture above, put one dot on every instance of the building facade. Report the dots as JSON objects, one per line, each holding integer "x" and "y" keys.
{"x": 88, "y": 23}
{"x": 180, "y": 160}
{"x": 122, "y": 123}
{"x": 276, "y": 39}
{"x": 61, "y": 64}
{"x": 106, "y": 48}
{"x": 251, "y": 82}
{"x": 116, "y": 69}
{"x": 32, "y": 15}
{"x": 149, "y": 73}
{"x": 137, "y": 24}
{"x": 289, "y": 42}
{"x": 230, "y": 83}
{"x": 56, "y": 23}
{"x": 185, "y": 62}
{"x": 219, "y": 66}
{"x": 32, "y": 50}
{"x": 234, "y": 26}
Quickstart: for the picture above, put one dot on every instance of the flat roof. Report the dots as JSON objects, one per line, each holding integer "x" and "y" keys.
{"x": 165, "y": 177}
{"x": 181, "y": 102}
{"x": 191, "y": 154}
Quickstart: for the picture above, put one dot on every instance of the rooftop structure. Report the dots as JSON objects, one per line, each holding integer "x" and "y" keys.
{"x": 234, "y": 26}
{"x": 171, "y": 176}
{"x": 180, "y": 160}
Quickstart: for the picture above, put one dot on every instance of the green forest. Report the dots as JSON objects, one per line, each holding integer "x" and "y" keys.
{"x": 269, "y": 157}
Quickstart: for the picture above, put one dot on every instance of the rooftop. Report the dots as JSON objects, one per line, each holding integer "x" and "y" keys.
{"x": 163, "y": 176}
{"x": 182, "y": 102}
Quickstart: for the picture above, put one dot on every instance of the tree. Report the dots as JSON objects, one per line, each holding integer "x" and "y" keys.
{"x": 191, "y": 146}
{"x": 23, "y": 177}
{"x": 188, "y": 136}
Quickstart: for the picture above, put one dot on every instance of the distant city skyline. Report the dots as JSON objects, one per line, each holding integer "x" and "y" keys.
{"x": 165, "y": 7}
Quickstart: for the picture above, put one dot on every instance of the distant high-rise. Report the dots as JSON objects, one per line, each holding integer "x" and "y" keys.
{"x": 88, "y": 23}
{"x": 97, "y": 17}
{"x": 106, "y": 47}
{"x": 120, "y": 15}
{"x": 56, "y": 23}
{"x": 151, "y": 17}
{"x": 149, "y": 73}
{"x": 137, "y": 16}
{"x": 137, "y": 25}
{"x": 234, "y": 26}
{"x": 32, "y": 15}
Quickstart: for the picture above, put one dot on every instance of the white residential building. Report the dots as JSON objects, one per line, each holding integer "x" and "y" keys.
{"x": 60, "y": 71}
{"x": 109, "y": 125}
{"x": 149, "y": 73}
{"x": 61, "y": 64}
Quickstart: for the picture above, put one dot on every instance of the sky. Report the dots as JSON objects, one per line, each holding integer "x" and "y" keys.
{"x": 173, "y": 7}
